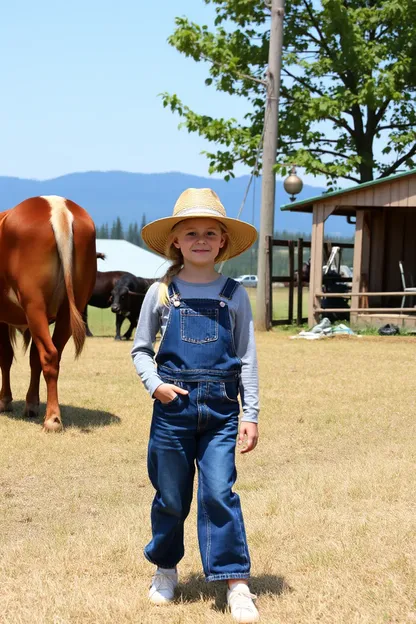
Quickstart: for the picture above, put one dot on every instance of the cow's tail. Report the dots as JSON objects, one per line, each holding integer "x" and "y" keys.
{"x": 61, "y": 221}
{"x": 27, "y": 337}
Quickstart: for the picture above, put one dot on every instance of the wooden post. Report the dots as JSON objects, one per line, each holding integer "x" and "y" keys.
{"x": 300, "y": 282}
{"x": 365, "y": 262}
{"x": 378, "y": 234}
{"x": 269, "y": 282}
{"x": 269, "y": 158}
{"x": 291, "y": 249}
{"x": 315, "y": 282}
{"x": 357, "y": 262}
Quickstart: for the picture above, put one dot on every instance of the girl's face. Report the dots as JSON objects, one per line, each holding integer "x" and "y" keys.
{"x": 199, "y": 240}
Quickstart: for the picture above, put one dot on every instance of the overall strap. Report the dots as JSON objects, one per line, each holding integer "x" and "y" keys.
{"x": 229, "y": 289}
{"x": 173, "y": 290}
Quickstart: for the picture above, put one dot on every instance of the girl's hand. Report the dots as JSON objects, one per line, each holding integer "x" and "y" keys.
{"x": 248, "y": 435}
{"x": 167, "y": 392}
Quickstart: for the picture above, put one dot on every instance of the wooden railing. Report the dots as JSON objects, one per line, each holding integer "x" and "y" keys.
{"x": 359, "y": 295}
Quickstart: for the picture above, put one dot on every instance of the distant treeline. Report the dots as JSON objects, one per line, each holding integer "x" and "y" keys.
{"x": 244, "y": 264}
{"x": 119, "y": 232}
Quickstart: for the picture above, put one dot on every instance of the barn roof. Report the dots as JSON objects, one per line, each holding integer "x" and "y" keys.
{"x": 124, "y": 256}
{"x": 306, "y": 205}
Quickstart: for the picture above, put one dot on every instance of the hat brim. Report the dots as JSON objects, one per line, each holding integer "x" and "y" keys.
{"x": 242, "y": 235}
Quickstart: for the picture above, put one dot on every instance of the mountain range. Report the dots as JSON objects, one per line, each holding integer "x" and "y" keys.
{"x": 107, "y": 195}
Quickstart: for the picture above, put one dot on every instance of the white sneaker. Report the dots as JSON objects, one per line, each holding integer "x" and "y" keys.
{"x": 240, "y": 601}
{"x": 163, "y": 586}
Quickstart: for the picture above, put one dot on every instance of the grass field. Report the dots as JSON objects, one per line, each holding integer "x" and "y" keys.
{"x": 281, "y": 302}
{"x": 328, "y": 495}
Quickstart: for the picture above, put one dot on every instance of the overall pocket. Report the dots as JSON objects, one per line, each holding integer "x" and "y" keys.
{"x": 221, "y": 400}
{"x": 170, "y": 403}
{"x": 230, "y": 391}
{"x": 173, "y": 409}
{"x": 174, "y": 402}
{"x": 199, "y": 326}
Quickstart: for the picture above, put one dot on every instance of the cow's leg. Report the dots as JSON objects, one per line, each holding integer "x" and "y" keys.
{"x": 32, "y": 396}
{"x": 133, "y": 323}
{"x": 6, "y": 359}
{"x": 36, "y": 315}
{"x": 119, "y": 322}
{"x": 129, "y": 332}
{"x": 61, "y": 335}
{"x": 88, "y": 332}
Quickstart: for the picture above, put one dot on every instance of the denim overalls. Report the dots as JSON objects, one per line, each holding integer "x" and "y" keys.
{"x": 197, "y": 353}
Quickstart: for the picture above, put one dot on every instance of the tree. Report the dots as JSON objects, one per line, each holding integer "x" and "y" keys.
{"x": 137, "y": 236}
{"x": 102, "y": 231}
{"x": 117, "y": 229}
{"x": 139, "y": 232}
{"x": 130, "y": 233}
{"x": 348, "y": 93}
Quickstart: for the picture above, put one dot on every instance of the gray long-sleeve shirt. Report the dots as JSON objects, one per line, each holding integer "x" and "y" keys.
{"x": 154, "y": 316}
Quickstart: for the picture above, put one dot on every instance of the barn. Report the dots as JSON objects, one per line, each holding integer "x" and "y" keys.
{"x": 383, "y": 285}
{"x": 124, "y": 256}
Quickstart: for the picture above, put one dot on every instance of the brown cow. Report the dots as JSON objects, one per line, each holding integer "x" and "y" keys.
{"x": 47, "y": 273}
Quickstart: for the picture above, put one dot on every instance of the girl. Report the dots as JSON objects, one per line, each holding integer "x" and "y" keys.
{"x": 206, "y": 358}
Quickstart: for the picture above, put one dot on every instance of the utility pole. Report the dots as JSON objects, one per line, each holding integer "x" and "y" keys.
{"x": 269, "y": 160}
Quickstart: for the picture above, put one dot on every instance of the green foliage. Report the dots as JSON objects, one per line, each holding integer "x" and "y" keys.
{"x": 348, "y": 84}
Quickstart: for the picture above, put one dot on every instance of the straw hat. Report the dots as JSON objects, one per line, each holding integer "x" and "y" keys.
{"x": 205, "y": 203}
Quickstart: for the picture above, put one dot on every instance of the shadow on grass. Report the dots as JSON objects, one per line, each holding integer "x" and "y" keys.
{"x": 79, "y": 417}
{"x": 194, "y": 588}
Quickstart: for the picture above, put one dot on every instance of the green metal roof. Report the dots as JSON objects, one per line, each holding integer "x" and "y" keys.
{"x": 351, "y": 189}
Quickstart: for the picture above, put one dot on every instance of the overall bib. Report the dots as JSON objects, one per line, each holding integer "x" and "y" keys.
{"x": 197, "y": 353}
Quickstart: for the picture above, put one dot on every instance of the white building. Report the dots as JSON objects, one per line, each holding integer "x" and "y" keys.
{"x": 124, "y": 256}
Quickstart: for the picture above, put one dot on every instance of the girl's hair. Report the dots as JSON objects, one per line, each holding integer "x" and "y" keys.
{"x": 175, "y": 254}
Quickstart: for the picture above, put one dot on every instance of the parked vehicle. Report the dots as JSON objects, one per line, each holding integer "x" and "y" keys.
{"x": 249, "y": 281}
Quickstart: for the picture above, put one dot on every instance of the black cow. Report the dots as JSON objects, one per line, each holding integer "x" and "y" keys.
{"x": 126, "y": 301}
{"x": 101, "y": 295}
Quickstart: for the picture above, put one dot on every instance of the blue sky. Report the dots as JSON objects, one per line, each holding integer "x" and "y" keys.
{"x": 80, "y": 83}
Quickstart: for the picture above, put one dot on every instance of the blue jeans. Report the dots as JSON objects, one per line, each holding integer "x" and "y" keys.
{"x": 199, "y": 427}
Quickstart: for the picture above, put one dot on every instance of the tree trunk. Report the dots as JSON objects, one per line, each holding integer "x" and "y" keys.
{"x": 366, "y": 170}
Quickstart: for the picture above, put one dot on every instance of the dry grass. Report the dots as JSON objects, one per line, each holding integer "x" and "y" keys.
{"x": 328, "y": 496}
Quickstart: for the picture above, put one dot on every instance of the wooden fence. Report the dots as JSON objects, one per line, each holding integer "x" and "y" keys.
{"x": 291, "y": 279}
